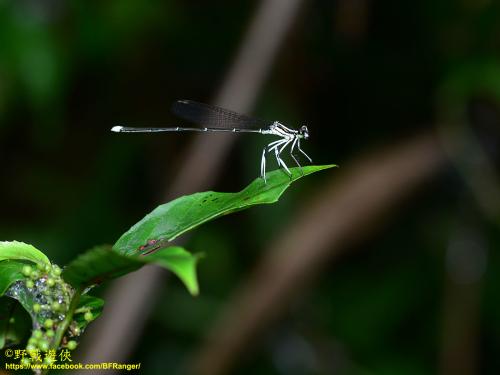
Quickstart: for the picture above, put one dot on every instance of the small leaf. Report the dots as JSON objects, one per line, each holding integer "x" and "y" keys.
{"x": 174, "y": 218}
{"x": 26, "y": 298}
{"x": 180, "y": 262}
{"x": 89, "y": 303}
{"x": 10, "y": 272}
{"x": 96, "y": 265}
{"x": 103, "y": 263}
{"x": 15, "y": 250}
{"x": 95, "y": 304}
{"x": 14, "y": 322}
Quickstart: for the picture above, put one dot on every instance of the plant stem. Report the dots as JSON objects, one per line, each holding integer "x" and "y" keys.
{"x": 64, "y": 325}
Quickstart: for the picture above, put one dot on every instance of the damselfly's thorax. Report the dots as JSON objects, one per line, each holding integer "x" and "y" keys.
{"x": 277, "y": 128}
{"x": 283, "y": 131}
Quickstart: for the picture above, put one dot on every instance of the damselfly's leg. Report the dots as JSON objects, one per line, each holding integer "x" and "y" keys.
{"x": 263, "y": 165}
{"x": 274, "y": 148}
{"x": 307, "y": 156}
{"x": 263, "y": 160}
{"x": 278, "y": 158}
{"x": 293, "y": 156}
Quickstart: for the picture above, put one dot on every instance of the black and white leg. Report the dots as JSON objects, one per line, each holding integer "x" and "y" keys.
{"x": 275, "y": 146}
{"x": 263, "y": 160}
{"x": 278, "y": 155}
{"x": 293, "y": 156}
{"x": 263, "y": 165}
{"x": 307, "y": 156}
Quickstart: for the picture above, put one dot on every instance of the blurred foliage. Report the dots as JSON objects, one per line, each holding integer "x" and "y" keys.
{"x": 361, "y": 74}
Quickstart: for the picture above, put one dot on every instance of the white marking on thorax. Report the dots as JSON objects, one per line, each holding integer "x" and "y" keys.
{"x": 280, "y": 130}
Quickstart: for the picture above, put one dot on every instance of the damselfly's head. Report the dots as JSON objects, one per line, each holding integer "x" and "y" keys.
{"x": 304, "y": 132}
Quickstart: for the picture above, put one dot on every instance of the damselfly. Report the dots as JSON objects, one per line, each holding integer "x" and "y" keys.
{"x": 216, "y": 119}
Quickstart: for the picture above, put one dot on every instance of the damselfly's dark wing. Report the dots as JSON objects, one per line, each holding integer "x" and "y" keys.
{"x": 215, "y": 117}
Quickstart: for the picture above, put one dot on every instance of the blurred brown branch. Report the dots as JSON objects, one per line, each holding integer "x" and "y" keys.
{"x": 460, "y": 332}
{"x": 467, "y": 253}
{"x": 131, "y": 298}
{"x": 348, "y": 207}
{"x": 474, "y": 165}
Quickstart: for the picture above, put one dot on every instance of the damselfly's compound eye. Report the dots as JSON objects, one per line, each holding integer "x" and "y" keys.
{"x": 304, "y": 132}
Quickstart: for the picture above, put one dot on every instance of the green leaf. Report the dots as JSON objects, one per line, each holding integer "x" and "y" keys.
{"x": 179, "y": 262}
{"x": 25, "y": 297}
{"x": 88, "y": 303}
{"x": 10, "y": 271}
{"x": 21, "y": 251}
{"x": 103, "y": 263}
{"x": 97, "y": 265}
{"x": 15, "y": 323}
{"x": 174, "y": 218}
